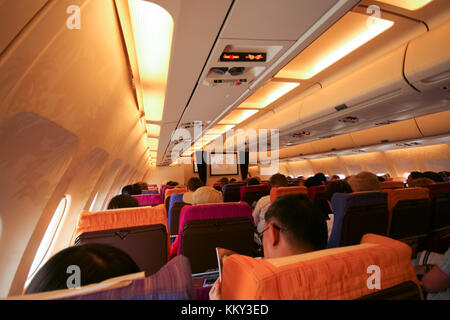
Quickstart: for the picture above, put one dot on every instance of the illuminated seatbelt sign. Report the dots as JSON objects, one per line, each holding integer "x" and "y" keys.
{"x": 243, "y": 57}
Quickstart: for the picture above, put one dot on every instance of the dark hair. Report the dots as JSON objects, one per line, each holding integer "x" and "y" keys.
{"x": 312, "y": 181}
{"x": 172, "y": 183}
{"x": 194, "y": 183}
{"x": 381, "y": 179}
{"x": 97, "y": 262}
{"x": 299, "y": 220}
{"x": 320, "y": 177}
{"x": 416, "y": 175}
{"x": 223, "y": 181}
{"x": 127, "y": 189}
{"x": 253, "y": 181}
{"x": 340, "y": 186}
{"x": 278, "y": 180}
{"x": 134, "y": 189}
{"x": 123, "y": 201}
{"x": 233, "y": 180}
{"x": 436, "y": 177}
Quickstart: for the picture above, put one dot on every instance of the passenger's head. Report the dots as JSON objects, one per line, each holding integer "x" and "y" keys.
{"x": 223, "y": 181}
{"x": 414, "y": 175}
{"x": 292, "y": 226}
{"x": 253, "y": 181}
{"x": 320, "y": 177}
{"x": 420, "y": 182}
{"x": 204, "y": 195}
{"x": 96, "y": 262}
{"x": 436, "y": 177}
{"x": 336, "y": 186}
{"x": 143, "y": 185}
{"x": 194, "y": 183}
{"x": 135, "y": 189}
{"x": 335, "y": 177}
{"x": 123, "y": 201}
{"x": 278, "y": 180}
{"x": 364, "y": 181}
{"x": 312, "y": 181}
{"x": 172, "y": 184}
{"x": 127, "y": 189}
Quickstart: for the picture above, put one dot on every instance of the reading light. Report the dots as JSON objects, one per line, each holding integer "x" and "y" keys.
{"x": 407, "y": 4}
{"x": 219, "y": 129}
{"x": 152, "y": 29}
{"x": 267, "y": 94}
{"x": 237, "y": 116}
{"x": 347, "y": 35}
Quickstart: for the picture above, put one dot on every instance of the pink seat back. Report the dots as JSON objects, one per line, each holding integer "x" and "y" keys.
{"x": 148, "y": 199}
{"x": 315, "y": 190}
{"x": 213, "y": 211}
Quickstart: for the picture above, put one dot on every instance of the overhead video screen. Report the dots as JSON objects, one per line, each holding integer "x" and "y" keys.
{"x": 224, "y": 164}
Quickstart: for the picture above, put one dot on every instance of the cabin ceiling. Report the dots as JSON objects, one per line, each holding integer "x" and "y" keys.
{"x": 283, "y": 29}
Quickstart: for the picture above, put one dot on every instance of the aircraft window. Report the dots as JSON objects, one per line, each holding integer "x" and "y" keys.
{"x": 48, "y": 241}
{"x": 91, "y": 208}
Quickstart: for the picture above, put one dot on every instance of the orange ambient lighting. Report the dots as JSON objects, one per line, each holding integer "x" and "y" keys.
{"x": 407, "y": 4}
{"x": 237, "y": 116}
{"x": 267, "y": 94}
{"x": 347, "y": 35}
{"x": 152, "y": 29}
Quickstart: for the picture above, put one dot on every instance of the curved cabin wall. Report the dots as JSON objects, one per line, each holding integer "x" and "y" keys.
{"x": 65, "y": 102}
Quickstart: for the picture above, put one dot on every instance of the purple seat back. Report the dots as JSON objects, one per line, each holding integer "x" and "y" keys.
{"x": 149, "y": 191}
{"x": 356, "y": 214}
{"x": 232, "y": 192}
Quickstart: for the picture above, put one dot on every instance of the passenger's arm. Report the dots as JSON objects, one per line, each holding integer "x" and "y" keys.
{"x": 435, "y": 280}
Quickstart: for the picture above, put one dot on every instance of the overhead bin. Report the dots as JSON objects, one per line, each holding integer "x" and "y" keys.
{"x": 333, "y": 144}
{"x": 398, "y": 131}
{"x": 434, "y": 124}
{"x": 295, "y": 151}
{"x": 427, "y": 61}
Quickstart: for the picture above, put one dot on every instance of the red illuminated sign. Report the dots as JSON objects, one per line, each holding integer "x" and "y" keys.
{"x": 243, "y": 57}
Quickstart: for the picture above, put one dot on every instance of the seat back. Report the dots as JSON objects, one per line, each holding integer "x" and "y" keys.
{"x": 356, "y": 214}
{"x": 251, "y": 194}
{"x": 148, "y": 199}
{"x": 319, "y": 275}
{"x": 232, "y": 192}
{"x": 314, "y": 191}
{"x": 174, "y": 217}
{"x": 391, "y": 185}
{"x": 172, "y": 282}
{"x": 174, "y": 199}
{"x": 408, "y": 290}
{"x": 201, "y": 237}
{"x": 275, "y": 193}
{"x": 146, "y": 245}
{"x": 149, "y": 191}
{"x": 409, "y": 212}
{"x": 164, "y": 188}
{"x": 440, "y": 203}
{"x": 173, "y": 191}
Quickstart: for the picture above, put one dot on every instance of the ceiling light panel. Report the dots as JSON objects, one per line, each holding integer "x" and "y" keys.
{"x": 407, "y": 4}
{"x": 347, "y": 35}
{"x": 267, "y": 94}
{"x": 152, "y": 28}
{"x": 237, "y": 116}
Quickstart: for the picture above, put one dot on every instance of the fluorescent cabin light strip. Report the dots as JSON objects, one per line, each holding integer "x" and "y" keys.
{"x": 407, "y": 4}
{"x": 267, "y": 94}
{"x": 153, "y": 29}
{"x": 347, "y": 35}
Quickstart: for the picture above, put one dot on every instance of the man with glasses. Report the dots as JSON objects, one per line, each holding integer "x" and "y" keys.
{"x": 292, "y": 226}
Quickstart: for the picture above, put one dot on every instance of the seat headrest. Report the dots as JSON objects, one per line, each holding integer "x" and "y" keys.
{"x": 120, "y": 218}
{"x": 275, "y": 193}
{"x": 148, "y": 199}
{"x": 391, "y": 184}
{"x": 331, "y": 274}
{"x": 172, "y": 282}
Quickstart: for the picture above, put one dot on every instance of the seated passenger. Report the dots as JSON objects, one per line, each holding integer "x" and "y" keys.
{"x": 436, "y": 177}
{"x": 335, "y": 177}
{"x": 96, "y": 262}
{"x": 192, "y": 185}
{"x": 123, "y": 201}
{"x": 132, "y": 190}
{"x": 437, "y": 281}
{"x": 292, "y": 227}
{"x": 172, "y": 184}
{"x": 322, "y": 201}
{"x": 414, "y": 175}
{"x": 204, "y": 195}
{"x": 276, "y": 181}
{"x": 253, "y": 181}
{"x": 364, "y": 181}
{"x": 420, "y": 182}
